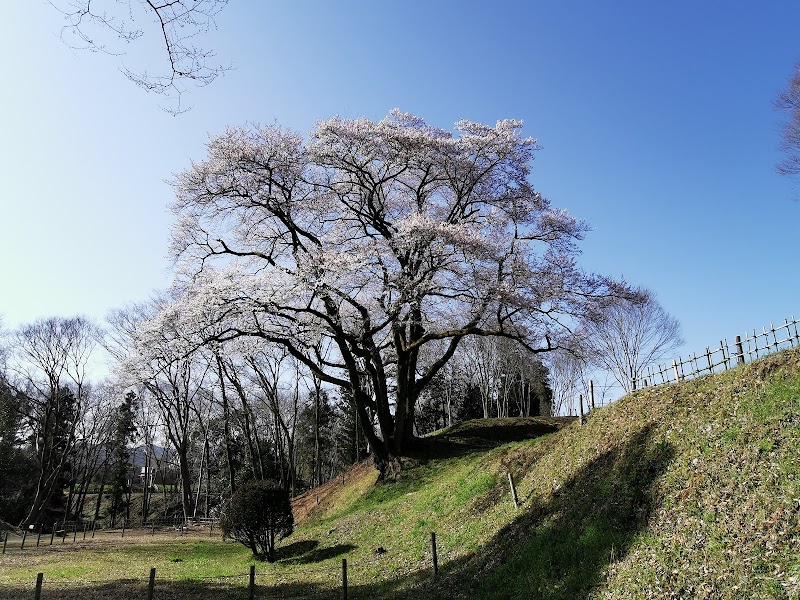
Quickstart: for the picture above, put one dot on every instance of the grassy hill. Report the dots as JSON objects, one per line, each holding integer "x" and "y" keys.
{"x": 682, "y": 491}
{"x": 688, "y": 490}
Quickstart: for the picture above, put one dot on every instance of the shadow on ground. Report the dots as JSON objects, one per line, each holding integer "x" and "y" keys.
{"x": 556, "y": 550}
{"x": 311, "y": 553}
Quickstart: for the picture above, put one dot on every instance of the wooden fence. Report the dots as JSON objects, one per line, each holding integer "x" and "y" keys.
{"x": 724, "y": 356}
{"x": 334, "y": 578}
{"x": 71, "y": 532}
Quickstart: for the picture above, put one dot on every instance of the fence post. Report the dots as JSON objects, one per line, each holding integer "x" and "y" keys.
{"x": 739, "y": 351}
{"x": 74, "y": 532}
{"x": 677, "y": 373}
{"x": 39, "y": 536}
{"x": 94, "y": 523}
{"x": 5, "y": 541}
{"x": 580, "y": 402}
{"x": 344, "y": 579}
{"x": 53, "y": 533}
{"x": 252, "y": 582}
{"x": 24, "y": 535}
{"x": 435, "y": 554}
{"x": 513, "y": 490}
{"x": 152, "y": 583}
{"x": 39, "y": 578}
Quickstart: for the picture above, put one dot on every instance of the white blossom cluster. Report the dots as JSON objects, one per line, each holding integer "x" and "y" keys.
{"x": 393, "y": 240}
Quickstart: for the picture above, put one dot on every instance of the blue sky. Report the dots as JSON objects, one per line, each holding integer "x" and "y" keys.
{"x": 655, "y": 121}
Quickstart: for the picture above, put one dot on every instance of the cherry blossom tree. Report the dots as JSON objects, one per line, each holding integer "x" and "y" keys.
{"x": 151, "y": 359}
{"x": 384, "y": 239}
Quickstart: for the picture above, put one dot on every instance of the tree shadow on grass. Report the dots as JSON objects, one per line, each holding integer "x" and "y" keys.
{"x": 314, "y": 554}
{"x": 561, "y": 548}
{"x": 295, "y": 549}
{"x": 558, "y": 549}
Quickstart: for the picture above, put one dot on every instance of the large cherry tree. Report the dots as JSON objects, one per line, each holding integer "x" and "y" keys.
{"x": 391, "y": 240}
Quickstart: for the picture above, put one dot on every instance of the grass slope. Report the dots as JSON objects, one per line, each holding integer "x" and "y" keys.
{"x": 682, "y": 491}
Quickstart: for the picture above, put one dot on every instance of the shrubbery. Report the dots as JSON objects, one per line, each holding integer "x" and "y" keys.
{"x": 257, "y": 514}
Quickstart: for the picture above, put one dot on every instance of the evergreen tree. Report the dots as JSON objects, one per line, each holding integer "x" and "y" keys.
{"x": 124, "y": 433}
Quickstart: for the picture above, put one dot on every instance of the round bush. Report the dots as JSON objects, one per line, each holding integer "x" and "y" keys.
{"x": 257, "y": 514}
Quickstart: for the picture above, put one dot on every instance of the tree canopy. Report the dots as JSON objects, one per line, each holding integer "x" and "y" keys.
{"x": 391, "y": 241}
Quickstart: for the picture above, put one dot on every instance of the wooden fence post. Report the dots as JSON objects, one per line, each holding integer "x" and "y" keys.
{"x": 39, "y": 536}
{"x": 677, "y": 373}
{"x": 94, "y": 523}
{"x": 53, "y": 533}
{"x": 123, "y": 527}
{"x": 38, "y": 594}
{"x": 252, "y": 582}
{"x": 24, "y": 535}
{"x": 513, "y": 490}
{"x": 580, "y": 402}
{"x": 5, "y": 541}
{"x": 739, "y": 351}
{"x": 591, "y": 393}
{"x": 152, "y": 583}
{"x": 74, "y": 533}
{"x": 435, "y": 554}
{"x": 344, "y": 579}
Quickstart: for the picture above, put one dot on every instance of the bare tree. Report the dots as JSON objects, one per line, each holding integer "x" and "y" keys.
{"x": 626, "y": 337}
{"x": 788, "y": 101}
{"x": 49, "y": 366}
{"x": 566, "y": 370}
{"x": 111, "y": 26}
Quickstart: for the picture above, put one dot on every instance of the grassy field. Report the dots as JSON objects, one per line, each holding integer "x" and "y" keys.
{"x": 683, "y": 491}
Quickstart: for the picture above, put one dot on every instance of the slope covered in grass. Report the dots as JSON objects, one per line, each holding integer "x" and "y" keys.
{"x": 688, "y": 490}
{"x": 682, "y": 491}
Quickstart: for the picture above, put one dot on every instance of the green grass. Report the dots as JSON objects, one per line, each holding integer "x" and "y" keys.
{"x": 690, "y": 490}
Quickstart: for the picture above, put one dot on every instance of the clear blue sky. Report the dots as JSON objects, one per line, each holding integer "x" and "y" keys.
{"x": 655, "y": 119}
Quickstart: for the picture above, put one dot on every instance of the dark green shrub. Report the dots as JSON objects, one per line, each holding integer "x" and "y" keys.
{"x": 257, "y": 514}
